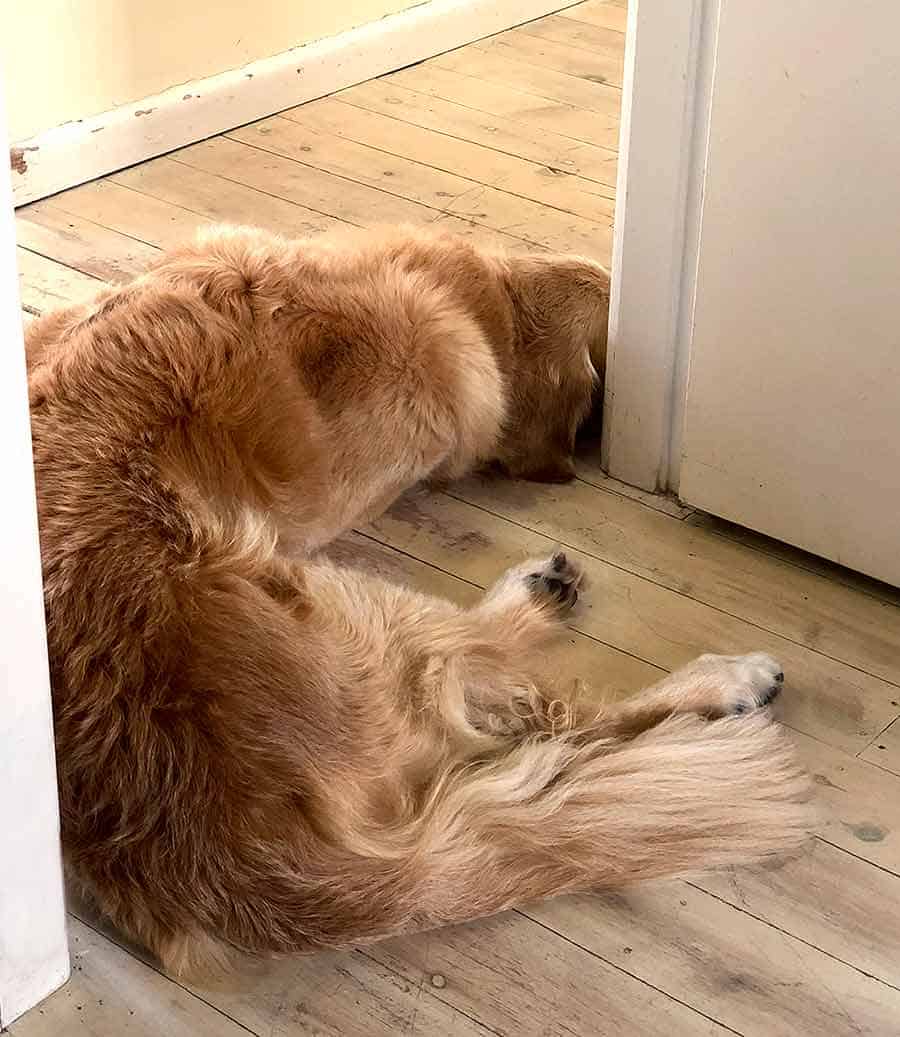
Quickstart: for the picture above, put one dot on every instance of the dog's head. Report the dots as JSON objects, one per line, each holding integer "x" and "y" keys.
{"x": 561, "y": 309}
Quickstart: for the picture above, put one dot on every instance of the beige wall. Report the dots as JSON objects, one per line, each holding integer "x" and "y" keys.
{"x": 66, "y": 60}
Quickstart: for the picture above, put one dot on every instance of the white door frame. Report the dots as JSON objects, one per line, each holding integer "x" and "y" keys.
{"x": 34, "y": 958}
{"x": 669, "y": 69}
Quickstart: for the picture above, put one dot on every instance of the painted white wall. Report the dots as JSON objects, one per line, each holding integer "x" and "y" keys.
{"x": 33, "y": 956}
{"x": 68, "y": 60}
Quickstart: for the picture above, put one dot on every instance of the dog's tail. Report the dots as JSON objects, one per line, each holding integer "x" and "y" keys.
{"x": 553, "y": 815}
{"x": 570, "y": 814}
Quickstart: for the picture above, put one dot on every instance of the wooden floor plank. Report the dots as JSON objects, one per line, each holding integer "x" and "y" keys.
{"x": 90, "y": 248}
{"x": 536, "y": 114}
{"x": 861, "y": 803}
{"x": 582, "y": 35}
{"x": 512, "y": 174}
{"x": 285, "y": 183}
{"x": 330, "y": 994}
{"x": 520, "y": 979}
{"x": 309, "y": 141}
{"x": 160, "y": 220}
{"x": 443, "y": 984}
{"x": 132, "y": 213}
{"x": 112, "y": 993}
{"x": 202, "y": 178}
{"x": 526, "y": 49}
{"x": 795, "y": 556}
{"x": 748, "y": 975}
{"x": 537, "y": 80}
{"x": 827, "y": 698}
{"x": 45, "y": 285}
{"x": 341, "y": 995}
{"x": 389, "y": 99}
{"x": 589, "y": 471}
{"x": 884, "y": 751}
{"x": 826, "y": 898}
{"x": 604, "y": 13}
{"x": 793, "y": 603}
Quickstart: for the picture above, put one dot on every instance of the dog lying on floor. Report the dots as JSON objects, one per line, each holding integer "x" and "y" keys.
{"x": 263, "y": 752}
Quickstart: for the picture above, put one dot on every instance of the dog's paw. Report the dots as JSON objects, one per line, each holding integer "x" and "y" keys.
{"x": 746, "y": 682}
{"x": 555, "y": 581}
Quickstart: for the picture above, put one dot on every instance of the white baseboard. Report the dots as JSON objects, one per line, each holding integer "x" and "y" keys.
{"x": 83, "y": 150}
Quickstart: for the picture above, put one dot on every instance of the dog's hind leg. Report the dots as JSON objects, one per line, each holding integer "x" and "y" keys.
{"x": 526, "y": 609}
{"x": 493, "y": 651}
{"x": 529, "y": 604}
{"x": 712, "y": 686}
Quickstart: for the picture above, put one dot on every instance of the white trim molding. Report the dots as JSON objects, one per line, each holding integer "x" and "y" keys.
{"x": 92, "y": 147}
{"x": 669, "y": 66}
{"x": 34, "y": 958}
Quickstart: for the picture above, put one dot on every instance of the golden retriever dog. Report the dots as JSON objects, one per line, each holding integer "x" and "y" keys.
{"x": 262, "y": 752}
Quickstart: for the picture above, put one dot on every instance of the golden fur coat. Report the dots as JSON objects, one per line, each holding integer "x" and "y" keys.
{"x": 261, "y": 751}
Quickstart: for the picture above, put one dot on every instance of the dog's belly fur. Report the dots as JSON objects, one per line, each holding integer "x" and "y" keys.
{"x": 263, "y": 752}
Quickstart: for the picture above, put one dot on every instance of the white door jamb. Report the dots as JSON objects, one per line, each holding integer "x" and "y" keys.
{"x": 669, "y": 68}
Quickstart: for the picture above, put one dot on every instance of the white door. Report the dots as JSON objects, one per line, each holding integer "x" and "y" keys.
{"x": 792, "y": 424}
{"x": 33, "y": 953}
{"x": 784, "y": 333}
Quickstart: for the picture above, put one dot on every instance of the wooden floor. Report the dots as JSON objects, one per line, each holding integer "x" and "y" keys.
{"x": 514, "y": 139}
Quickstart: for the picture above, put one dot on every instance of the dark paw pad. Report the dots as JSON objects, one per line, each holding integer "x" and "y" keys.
{"x": 559, "y": 562}
{"x": 763, "y": 698}
{"x": 772, "y": 693}
{"x": 556, "y": 582}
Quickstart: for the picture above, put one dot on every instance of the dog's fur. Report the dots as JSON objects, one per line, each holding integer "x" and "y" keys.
{"x": 261, "y": 751}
